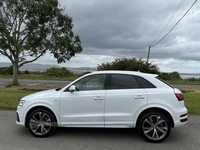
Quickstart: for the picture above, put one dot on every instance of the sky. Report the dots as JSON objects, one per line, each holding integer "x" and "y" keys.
{"x": 112, "y": 29}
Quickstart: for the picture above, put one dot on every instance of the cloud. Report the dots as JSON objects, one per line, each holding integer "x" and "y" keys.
{"x": 114, "y": 28}
{"x": 81, "y": 60}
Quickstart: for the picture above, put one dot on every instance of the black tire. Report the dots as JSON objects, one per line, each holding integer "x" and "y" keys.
{"x": 154, "y": 127}
{"x": 41, "y": 123}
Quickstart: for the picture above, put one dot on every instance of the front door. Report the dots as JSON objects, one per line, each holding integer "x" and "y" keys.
{"x": 85, "y": 106}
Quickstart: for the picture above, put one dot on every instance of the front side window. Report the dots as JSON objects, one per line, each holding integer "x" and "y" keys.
{"x": 93, "y": 82}
{"x": 122, "y": 81}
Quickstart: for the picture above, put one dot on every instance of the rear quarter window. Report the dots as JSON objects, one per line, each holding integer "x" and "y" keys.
{"x": 144, "y": 83}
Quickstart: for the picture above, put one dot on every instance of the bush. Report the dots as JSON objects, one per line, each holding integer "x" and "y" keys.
{"x": 26, "y": 72}
{"x": 131, "y": 64}
{"x": 170, "y": 76}
{"x": 58, "y": 72}
{"x": 6, "y": 70}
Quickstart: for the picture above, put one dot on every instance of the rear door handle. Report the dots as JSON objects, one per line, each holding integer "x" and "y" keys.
{"x": 98, "y": 98}
{"x": 139, "y": 97}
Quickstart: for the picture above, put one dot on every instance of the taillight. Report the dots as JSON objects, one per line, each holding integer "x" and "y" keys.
{"x": 179, "y": 96}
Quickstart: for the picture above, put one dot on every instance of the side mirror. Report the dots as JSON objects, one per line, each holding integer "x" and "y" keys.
{"x": 72, "y": 88}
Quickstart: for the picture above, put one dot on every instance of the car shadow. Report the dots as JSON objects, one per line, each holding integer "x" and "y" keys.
{"x": 127, "y": 135}
{"x": 98, "y": 132}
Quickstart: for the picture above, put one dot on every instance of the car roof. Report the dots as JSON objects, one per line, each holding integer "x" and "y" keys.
{"x": 123, "y": 72}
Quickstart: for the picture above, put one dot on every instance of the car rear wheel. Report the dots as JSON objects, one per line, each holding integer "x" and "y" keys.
{"x": 154, "y": 127}
{"x": 41, "y": 123}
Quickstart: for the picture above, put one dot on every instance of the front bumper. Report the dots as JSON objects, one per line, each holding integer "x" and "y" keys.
{"x": 20, "y": 117}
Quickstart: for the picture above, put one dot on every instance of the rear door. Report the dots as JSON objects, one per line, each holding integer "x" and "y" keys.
{"x": 124, "y": 98}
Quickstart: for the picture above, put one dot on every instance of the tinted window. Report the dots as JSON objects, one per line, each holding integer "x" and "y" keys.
{"x": 144, "y": 83}
{"x": 93, "y": 82}
{"x": 118, "y": 81}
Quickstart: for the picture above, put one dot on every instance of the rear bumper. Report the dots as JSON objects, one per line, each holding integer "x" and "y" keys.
{"x": 181, "y": 118}
{"x": 184, "y": 120}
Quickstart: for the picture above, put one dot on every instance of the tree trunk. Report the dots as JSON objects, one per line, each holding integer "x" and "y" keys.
{"x": 15, "y": 74}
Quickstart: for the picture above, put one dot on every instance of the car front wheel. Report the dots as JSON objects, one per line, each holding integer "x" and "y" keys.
{"x": 41, "y": 123}
{"x": 154, "y": 127}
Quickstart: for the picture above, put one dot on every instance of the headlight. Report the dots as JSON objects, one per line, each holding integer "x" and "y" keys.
{"x": 22, "y": 102}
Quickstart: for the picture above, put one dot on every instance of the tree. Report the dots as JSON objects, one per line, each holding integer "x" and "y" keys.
{"x": 175, "y": 75}
{"x": 26, "y": 72}
{"x": 131, "y": 64}
{"x": 164, "y": 76}
{"x": 31, "y": 28}
{"x": 170, "y": 76}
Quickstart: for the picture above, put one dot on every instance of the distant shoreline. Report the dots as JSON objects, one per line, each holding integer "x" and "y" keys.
{"x": 192, "y": 75}
{"x": 77, "y": 70}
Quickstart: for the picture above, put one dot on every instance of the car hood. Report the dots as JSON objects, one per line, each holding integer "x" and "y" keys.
{"x": 46, "y": 93}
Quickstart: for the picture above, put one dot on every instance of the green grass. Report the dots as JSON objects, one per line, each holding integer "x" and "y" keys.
{"x": 10, "y": 97}
{"x": 184, "y": 82}
{"x": 192, "y": 102}
{"x": 41, "y": 77}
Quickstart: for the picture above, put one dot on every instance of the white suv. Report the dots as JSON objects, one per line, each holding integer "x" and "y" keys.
{"x": 107, "y": 99}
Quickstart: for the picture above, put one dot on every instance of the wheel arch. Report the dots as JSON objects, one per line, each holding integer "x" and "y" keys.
{"x": 155, "y": 109}
{"x": 39, "y": 107}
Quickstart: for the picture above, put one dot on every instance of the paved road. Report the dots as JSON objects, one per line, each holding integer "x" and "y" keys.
{"x": 15, "y": 137}
{"x": 26, "y": 82}
{"x": 187, "y": 86}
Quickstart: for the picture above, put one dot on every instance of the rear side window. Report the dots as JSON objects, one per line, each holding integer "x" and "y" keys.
{"x": 144, "y": 83}
{"x": 120, "y": 81}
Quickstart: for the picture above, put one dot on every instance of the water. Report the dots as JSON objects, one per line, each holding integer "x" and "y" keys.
{"x": 187, "y": 75}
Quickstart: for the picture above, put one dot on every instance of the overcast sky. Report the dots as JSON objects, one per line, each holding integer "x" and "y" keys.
{"x": 125, "y": 28}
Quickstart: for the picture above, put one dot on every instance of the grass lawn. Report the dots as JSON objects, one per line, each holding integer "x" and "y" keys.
{"x": 41, "y": 77}
{"x": 10, "y": 97}
{"x": 192, "y": 102}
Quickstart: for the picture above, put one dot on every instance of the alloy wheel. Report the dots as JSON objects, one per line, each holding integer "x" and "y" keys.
{"x": 155, "y": 127}
{"x": 40, "y": 123}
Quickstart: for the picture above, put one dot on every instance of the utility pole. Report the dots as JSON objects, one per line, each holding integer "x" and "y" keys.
{"x": 148, "y": 54}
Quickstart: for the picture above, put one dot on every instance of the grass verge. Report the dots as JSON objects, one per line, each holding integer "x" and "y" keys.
{"x": 41, "y": 77}
{"x": 192, "y": 102}
{"x": 9, "y": 99}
